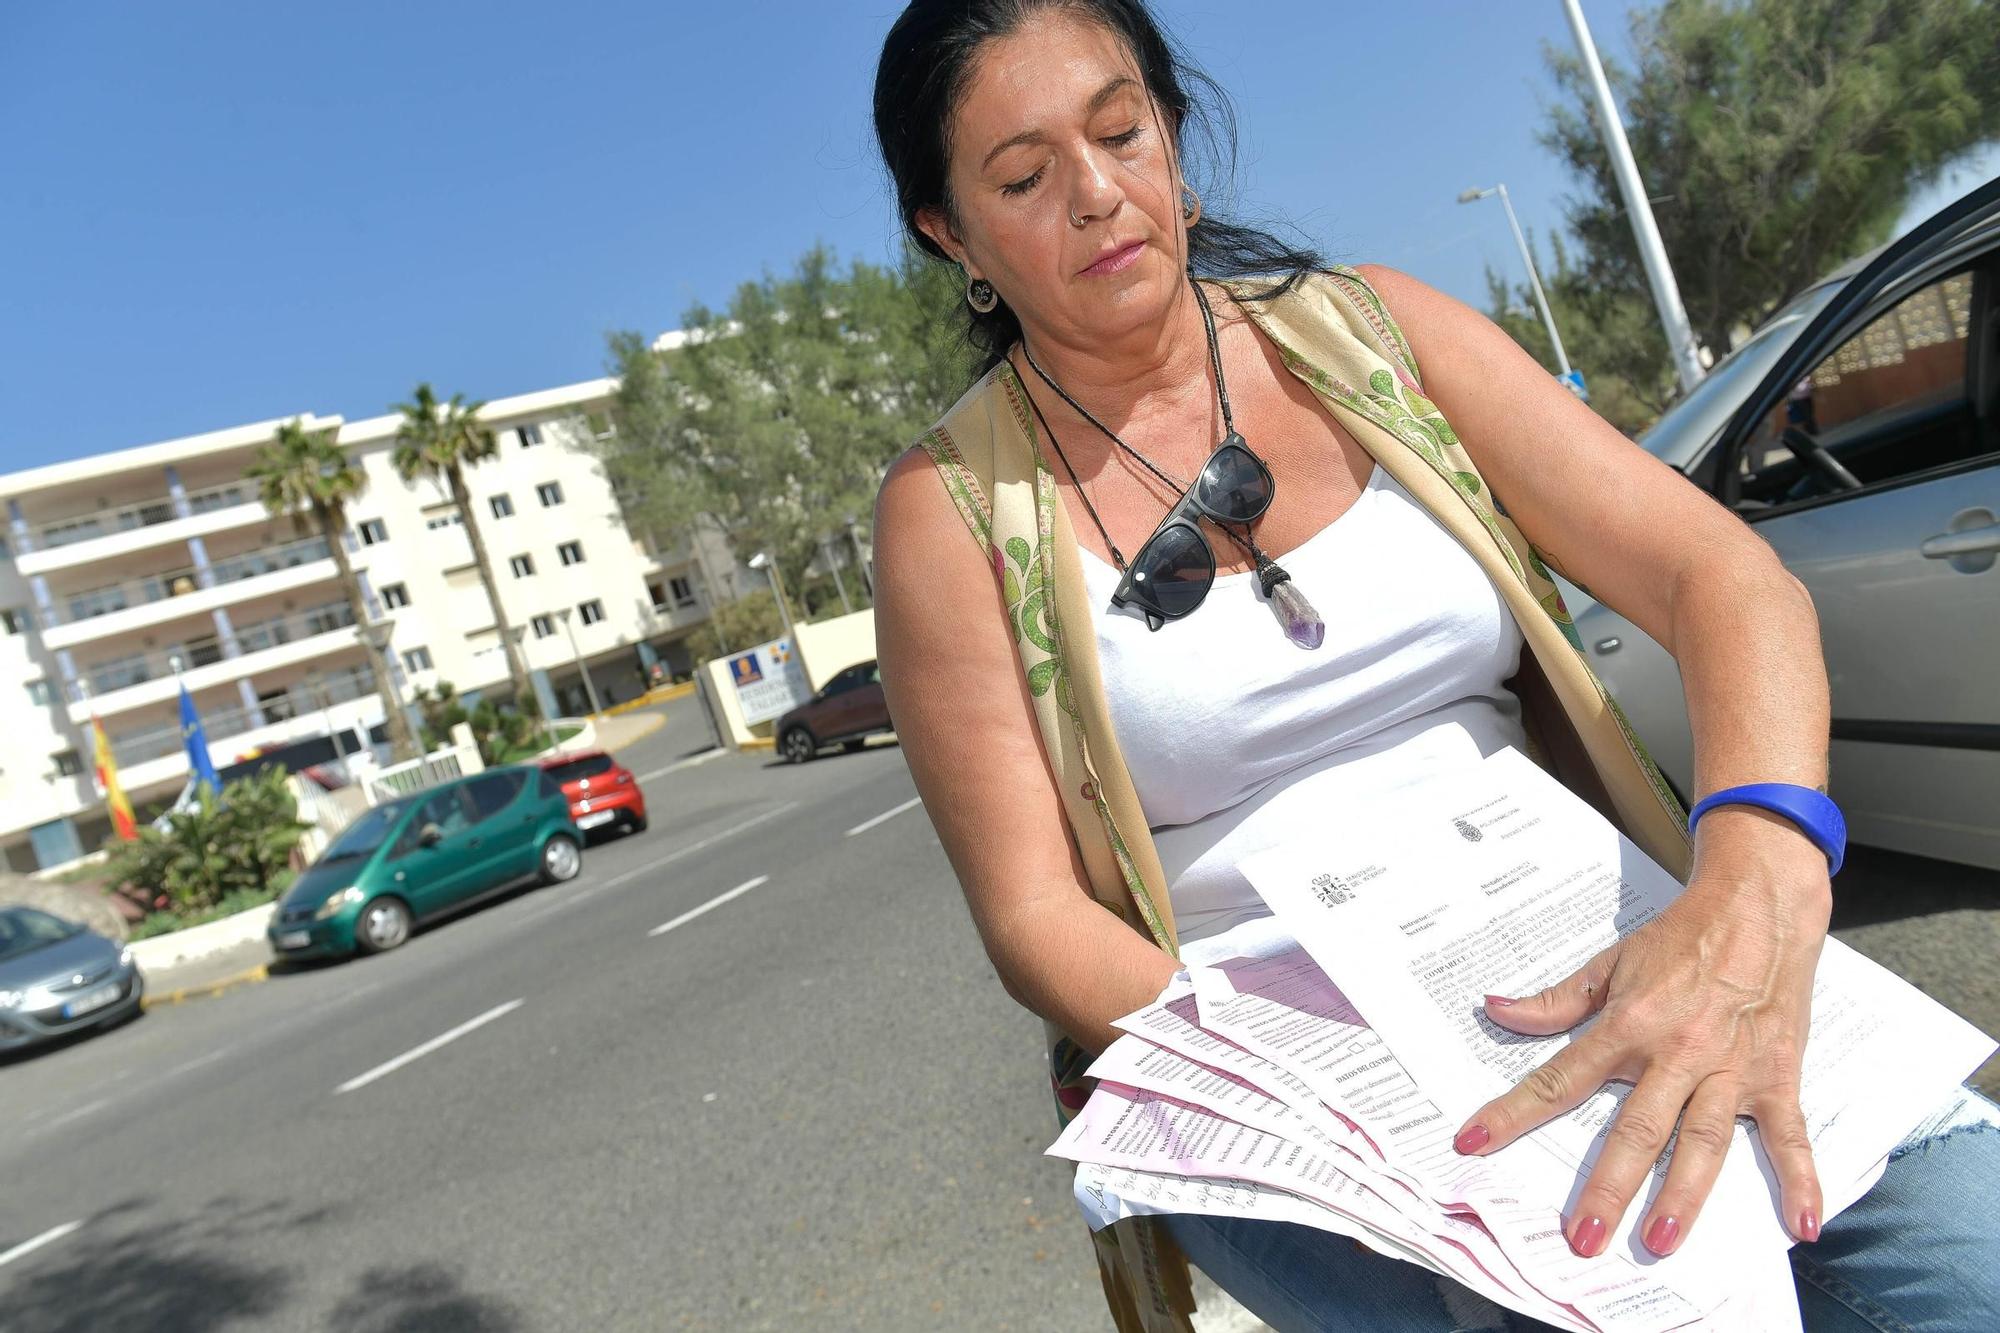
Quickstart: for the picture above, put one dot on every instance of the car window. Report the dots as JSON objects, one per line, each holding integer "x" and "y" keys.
{"x": 871, "y": 673}
{"x": 1888, "y": 402}
{"x": 588, "y": 767}
{"x": 24, "y": 930}
{"x": 446, "y": 809}
{"x": 493, "y": 792}
{"x": 367, "y": 833}
{"x": 548, "y": 785}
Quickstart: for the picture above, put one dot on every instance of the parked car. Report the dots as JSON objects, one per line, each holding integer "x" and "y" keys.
{"x": 423, "y": 855}
{"x": 57, "y": 977}
{"x": 847, "y": 710}
{"x": 1868, "y": 455}
{"x": 601, "y": 790}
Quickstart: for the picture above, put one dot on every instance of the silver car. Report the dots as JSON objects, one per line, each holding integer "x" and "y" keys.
{"x": 56, "y": 978}
{"x": 1859, "y": 434}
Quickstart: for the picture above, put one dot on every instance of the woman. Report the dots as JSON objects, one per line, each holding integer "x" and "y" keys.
{"x": 1115, "y": 730}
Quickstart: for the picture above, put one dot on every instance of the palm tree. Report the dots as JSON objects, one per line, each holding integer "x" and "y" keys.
{"x": 305, "y": 474}
{"x": 439, "y": 441}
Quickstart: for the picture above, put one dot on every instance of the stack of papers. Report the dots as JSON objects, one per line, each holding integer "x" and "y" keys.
{"x": 1313, "y": 1068}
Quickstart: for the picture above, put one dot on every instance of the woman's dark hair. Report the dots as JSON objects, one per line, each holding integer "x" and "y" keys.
{"x": 927, "y": 59}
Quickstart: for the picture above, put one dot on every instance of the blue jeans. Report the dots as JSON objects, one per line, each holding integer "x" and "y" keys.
{"x": 1920, "y": 1251}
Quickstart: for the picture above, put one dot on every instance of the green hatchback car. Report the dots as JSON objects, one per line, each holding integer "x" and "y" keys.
{"x": 417, "y": 857}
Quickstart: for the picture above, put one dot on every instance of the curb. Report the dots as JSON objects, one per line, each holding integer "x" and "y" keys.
{"x": 664, "y": 694}
{"x": 759, "y": 743}
{"x": 154, "y": 999}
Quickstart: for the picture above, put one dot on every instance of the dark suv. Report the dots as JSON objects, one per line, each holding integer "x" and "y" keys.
{"x": 846, "y": 711}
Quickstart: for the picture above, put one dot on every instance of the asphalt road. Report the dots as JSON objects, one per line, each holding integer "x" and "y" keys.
{"x": 809, "y": 1105}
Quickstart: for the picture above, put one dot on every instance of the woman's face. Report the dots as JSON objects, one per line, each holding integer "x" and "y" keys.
{"x": 1056, "y": 124}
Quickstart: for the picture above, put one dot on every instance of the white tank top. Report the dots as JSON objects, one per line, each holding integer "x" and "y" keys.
{"x": 1236, "y": 736}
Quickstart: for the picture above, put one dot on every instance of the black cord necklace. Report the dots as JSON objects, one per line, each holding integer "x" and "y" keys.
{"x": 1302, "y": 623}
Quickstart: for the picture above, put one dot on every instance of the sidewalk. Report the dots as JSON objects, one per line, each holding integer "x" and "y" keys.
{"x": 240, "y": 964}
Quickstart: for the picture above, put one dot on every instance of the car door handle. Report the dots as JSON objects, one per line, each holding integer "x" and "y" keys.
{"x": 1966, "y": 541}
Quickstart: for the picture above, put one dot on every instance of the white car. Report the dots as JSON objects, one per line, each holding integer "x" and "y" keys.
{"x": 1859, "y": 434}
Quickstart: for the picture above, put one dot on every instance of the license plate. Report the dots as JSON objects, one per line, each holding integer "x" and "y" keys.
{"x": 295, "y": 939}
{"x": 592, "y": 821}
{"x": 94, "y": 1000}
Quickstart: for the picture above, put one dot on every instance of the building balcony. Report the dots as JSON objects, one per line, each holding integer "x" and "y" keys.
{"x": 119, "y": 685}
{"x": 151, "y": 755}
{"x": 686, "y": 614}
{"x": 106, "y": 534}
{"x": 121, "y": 608}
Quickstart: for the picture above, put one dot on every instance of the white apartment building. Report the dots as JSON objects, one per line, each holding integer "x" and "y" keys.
{"x": 120, "y": 569}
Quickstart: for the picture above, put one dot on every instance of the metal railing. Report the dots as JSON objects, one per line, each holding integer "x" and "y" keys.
{"x": 71, "y": 608}
{"x": 145, "y": 514}
{"x": 136, "y": 747}
{"x": 413, "y": 775}
{"x": 103, "y": 677}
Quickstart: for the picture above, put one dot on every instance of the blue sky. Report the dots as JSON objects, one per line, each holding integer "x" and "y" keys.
{"x": 218, "y": 213}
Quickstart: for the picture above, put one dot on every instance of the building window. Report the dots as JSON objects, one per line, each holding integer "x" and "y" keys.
{"x": 597, "y": 423}
{"x": 503, "y": 505}
{"x": 40, "y": 694}
{"x": 372, "y": 531}
{"x": 591, "y": 611}
{"x": 15, "y": 620}
{"x": 531, "y": 435}
{"x": 544, "y": 626}
{"x": 444, "y": 518}
{"x": 683, "y": 591}
{"x": 550, "y": 494}
{"x": 417, "y": 659}
{"x": 395, "y": 596}
{"x": 67, "y": 764}
{"x": 571, "y": 553}
{"x": 522, "y": 565}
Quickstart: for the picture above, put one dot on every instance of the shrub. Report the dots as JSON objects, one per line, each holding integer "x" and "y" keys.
{"x": 240, "y": 844}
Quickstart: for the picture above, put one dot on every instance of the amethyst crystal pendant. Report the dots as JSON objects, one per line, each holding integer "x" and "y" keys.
{"x": 1302, "y": 624}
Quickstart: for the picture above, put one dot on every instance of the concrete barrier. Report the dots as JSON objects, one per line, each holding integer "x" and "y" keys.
{"x": 160, "y": 952}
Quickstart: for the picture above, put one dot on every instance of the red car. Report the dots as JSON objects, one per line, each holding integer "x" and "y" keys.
{"x": 601, "y": 790}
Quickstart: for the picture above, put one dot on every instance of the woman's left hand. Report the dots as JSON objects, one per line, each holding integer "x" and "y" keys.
{"x": 1705, "y": 1010}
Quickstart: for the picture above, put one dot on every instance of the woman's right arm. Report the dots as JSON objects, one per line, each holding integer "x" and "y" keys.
{"x": 967, "y": 727}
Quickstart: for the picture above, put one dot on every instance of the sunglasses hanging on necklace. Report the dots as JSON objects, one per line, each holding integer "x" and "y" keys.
{"x": 1175, "y": 569}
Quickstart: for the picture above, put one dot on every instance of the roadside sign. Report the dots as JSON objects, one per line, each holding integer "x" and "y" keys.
{"x": 769, "y": 681}
{"x": 1574, "y": 383}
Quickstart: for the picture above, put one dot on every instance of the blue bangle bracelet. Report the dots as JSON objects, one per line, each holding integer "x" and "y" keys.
{"x": 1813, "y": 811}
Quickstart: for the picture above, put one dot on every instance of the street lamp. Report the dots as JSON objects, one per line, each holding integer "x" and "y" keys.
{"x": 826, "y": 554}
{"x": 763, "y": 561}
{"x": 1652, "y": 253}
{"x": 376, "y": 635}
{"x": 854, "y": 539}
{"x": 316, "y": 687}
{"x": 1473, "y": 196}
{"x": 588, "y": 687}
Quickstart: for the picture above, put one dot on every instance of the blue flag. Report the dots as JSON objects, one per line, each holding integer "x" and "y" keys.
{"x": 199, "y": 764}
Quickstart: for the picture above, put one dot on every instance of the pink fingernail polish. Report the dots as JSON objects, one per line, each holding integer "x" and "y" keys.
{"x": 1498, "y": 1002}
{"x": 1471, "y": 1139}
{"x": 1660, "y": 1236}
{"x": 1588, "y": 1238}
{"x": 1809, "y": 1224}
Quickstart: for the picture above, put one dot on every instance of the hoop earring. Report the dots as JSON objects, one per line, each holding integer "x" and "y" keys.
{"x": 979, "y": 294}
{"x": 1190, "y": 207}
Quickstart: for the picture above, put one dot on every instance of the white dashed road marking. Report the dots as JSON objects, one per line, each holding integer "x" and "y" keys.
{"x": 708, "y": 906}
{"x": 27, "y": 1247}
{"x": 418, "y": 1052}
{"x": 910, "y": 804}
{"x": 694, "y": 847}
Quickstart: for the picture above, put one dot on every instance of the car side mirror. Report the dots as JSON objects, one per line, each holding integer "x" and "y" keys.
{"x": 430, "y": 835}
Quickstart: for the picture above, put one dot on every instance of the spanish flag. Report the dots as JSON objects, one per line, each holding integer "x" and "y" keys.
{"x": 122, "y": 822}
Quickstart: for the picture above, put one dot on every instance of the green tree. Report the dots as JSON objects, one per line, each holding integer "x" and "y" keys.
{"x": 305, "y": 474}
{"x": 440, "y": 441}
{"x": 776, "y": 418}
{"x": 1786, "y": 136}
